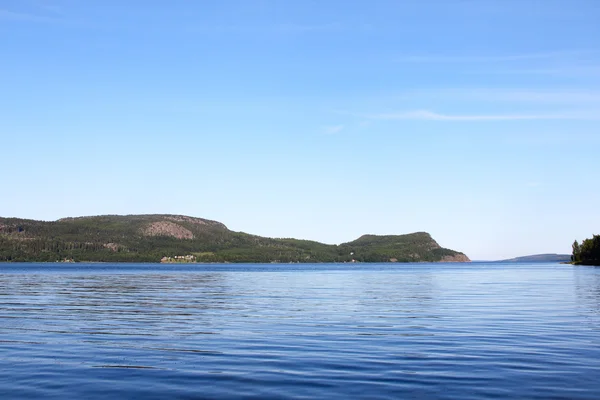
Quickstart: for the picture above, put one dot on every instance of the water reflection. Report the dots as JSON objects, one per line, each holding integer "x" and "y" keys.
{"x": 587, "y": 286}
{"x": 408, "y": 309}
{"x": 377, "y": 331}
{"x": 120, "y": 304}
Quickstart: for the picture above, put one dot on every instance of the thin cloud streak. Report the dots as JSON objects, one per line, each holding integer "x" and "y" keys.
{"x": 332, "y": 130}
{"x": 440, "y": 59}
{"x": 18, "y": 16}
{"x": 301, "y": 28}
{"x": 508, "y": 95}
{"x": 286, "y": 28}
{"x": 52, "y": 8}
{"x": 575, "y": 71}
{"x": 426, "y": 115}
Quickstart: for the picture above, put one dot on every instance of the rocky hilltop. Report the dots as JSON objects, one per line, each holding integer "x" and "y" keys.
{"x": 179, "y": 238}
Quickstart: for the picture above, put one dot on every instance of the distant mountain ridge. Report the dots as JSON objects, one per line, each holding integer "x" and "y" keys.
{"x": 541, "y": 258}
{"x": 180, "y": 238}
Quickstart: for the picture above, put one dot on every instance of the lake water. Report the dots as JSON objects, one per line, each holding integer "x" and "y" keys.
{"x": 373, "y": 331}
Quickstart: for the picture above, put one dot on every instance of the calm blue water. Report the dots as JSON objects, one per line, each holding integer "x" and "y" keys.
{"x": 423, "y": 331}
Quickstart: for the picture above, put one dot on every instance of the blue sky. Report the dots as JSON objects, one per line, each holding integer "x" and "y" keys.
{"x": 476, "y": 121}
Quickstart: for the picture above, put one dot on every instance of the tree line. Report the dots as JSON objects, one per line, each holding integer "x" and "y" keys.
{"x": 588, "y": 252}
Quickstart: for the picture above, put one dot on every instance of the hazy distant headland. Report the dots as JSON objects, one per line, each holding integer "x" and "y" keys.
{"x": 178, "y": 238}
{"x": 540, "y": 258}
{"x": 586, "y": 253}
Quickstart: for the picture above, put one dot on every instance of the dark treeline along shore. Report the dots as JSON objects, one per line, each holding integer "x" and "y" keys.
{"x": 588, "y": 252}
{"x": 177, "y": 238}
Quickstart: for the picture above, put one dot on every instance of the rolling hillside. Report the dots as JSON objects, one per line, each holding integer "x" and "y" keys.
{"x": 152, "y": 238}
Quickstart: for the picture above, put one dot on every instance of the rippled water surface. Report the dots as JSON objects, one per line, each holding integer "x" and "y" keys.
{"x": 425, "y": 331}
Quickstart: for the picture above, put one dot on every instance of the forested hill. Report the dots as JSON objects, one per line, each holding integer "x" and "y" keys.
{"x": 178, "y": 238}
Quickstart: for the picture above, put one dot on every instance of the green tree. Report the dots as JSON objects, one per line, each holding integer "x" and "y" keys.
{"x": 588, "y": 253}
{"x": 575, "y": 257}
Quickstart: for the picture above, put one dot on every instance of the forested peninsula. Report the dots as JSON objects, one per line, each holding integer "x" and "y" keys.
{"x": 178, "y": 238}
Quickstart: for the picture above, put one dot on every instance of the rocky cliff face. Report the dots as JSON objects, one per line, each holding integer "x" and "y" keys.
{"x": 167, "y": 228}
{"x": 456, "y": 258}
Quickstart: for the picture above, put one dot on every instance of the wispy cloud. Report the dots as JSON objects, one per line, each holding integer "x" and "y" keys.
{"x": 20, "y": 16}
{"x": 514, "y": 95}
{"x": 49, "y": 7}
{"x": 332, "y": 130}
{"x": 433, "y": 116}
{"x": 565, "y": 70}
{"x": 284, "y": 28}
{"x": 443, "y": 59}
{"x": 301, "y": 28}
